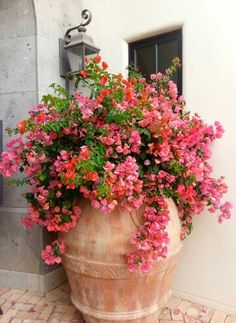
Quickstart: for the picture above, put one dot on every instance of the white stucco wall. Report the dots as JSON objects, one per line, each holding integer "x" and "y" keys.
{"x": 207, "y": 271}
{"x": 53, "y": 18}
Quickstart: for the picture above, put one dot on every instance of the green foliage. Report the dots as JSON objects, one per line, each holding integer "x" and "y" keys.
{"x": 146, "y": 132}
{"x": 118, "y": 117}
{"x": 103, "y": 190}
{"x": 190, "y": 180}
{"x": 30, "y": 198}
{"x": 175, "y": 168}
{"x": 17, "y": 181}
{"x": 65, "y": 217}
{"x": 119, "y": 95}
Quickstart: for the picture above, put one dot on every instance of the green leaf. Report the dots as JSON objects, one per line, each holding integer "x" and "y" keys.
{"x": 118, "y": 117}
{"x": 65, "y": 217}
{"x": 119, "y": 95}
{"x": 138, "y": 113}
{"x": 67, "y": 204}
{"x": 175, "y": 167}
{"x": 103, "y": 190}
{"x": 59, "y": 90}
{"x": 17, "y": 181}
{"x": 140, "y": 171}
{"x": 21, "y": 169}
{"x": 145, "y": 131}
{"x": 42, "y": 176}
{"x": 143, "y": 155}
{"x": 189, "y": 180}
{"x": 30, "y": 198}
{"x": 78, "y": 181}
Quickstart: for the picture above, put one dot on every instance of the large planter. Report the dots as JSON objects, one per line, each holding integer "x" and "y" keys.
{"x": 102, "y": 288}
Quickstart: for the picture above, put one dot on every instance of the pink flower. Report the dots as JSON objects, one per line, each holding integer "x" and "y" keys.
{"x": 173, "y": 90}
{"x": 225, "y": 209}
{"x": 46, "y": 206}
{"x": 147, "y": 162}
{"x": 84, "y": 154}
{"x": 9, "y": 163}
{"x": 58, "y": 194}
{"x": 219, "y": 129}
{"x": 86, "y": 192}
{"x": 145, "y": 267}
{"x": 51, "y": 254}
{"x": 95, "y": 204}
{"x": 97, "y": 59}
{"x": 135, "y": 141}
{"x": 27, "y": 222}
{"x": 66, "y": 131}
{"x": 64, "y": 154}
{"x": 104, "y": 65}
{"x": 109, "y": 166}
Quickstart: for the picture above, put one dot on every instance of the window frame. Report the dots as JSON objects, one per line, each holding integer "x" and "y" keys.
{"x": 155, "y": 41}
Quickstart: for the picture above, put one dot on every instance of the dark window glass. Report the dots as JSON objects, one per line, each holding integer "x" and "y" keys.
{"x": 166, "y": 52}
{"x": 145, "y": 57}
{"x": 154, "y": 54}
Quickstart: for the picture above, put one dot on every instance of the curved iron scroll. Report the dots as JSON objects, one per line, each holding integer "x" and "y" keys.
{"x": 87, "y": 16}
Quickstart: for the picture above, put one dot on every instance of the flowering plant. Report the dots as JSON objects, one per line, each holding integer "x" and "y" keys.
{"x": 130, "y": 144}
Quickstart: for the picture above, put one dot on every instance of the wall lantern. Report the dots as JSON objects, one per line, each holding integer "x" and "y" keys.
{"x": 74, "y": 48}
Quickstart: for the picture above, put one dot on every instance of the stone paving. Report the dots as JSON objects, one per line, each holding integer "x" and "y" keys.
{"x": 21, "y": 306}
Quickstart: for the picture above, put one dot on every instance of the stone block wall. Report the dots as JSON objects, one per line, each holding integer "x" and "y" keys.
{"x": 29, "y": 63}
{"x": 19, "y": 248}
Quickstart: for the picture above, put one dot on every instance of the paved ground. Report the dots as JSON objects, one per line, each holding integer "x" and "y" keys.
{"x": 20, "y": 306}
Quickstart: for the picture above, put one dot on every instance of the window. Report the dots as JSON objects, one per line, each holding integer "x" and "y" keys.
{"x": 154, "y": 54}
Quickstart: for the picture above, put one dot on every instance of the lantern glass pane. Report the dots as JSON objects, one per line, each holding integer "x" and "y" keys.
{"x": 91, "y": 52}
{"x": 76, "y": 58}
{"x": 74, "y": 55}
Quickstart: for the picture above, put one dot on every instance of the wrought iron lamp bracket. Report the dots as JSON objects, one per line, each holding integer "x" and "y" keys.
{"x": 87, "y": 15}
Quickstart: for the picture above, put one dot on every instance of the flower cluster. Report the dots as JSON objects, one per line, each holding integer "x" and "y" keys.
{"x": 130, "y": 144}
{"x": 51, "y": 254}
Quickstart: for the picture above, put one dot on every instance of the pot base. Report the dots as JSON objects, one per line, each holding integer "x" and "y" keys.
{"x": 148, "y": 319}
{"x": 139, "y": 317}
{"x": 149, "y": 315}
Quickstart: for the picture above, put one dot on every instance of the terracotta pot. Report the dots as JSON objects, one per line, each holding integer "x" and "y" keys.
{"x": 102, "y": 288}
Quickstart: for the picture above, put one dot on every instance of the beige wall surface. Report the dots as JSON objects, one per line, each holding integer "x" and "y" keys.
{"x": 207, "y": 271}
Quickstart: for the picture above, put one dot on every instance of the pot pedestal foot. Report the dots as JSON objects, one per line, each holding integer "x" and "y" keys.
{"x": 148, "y": 319}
